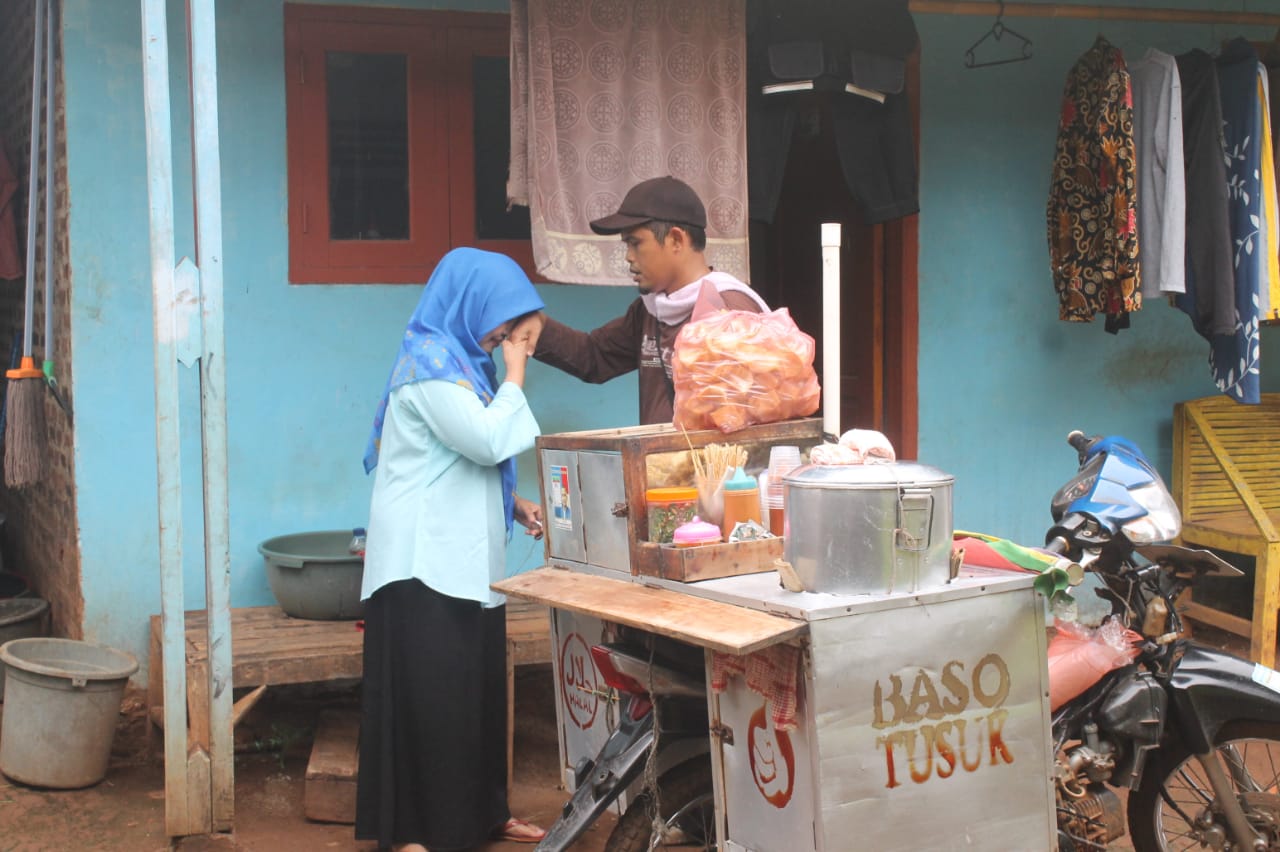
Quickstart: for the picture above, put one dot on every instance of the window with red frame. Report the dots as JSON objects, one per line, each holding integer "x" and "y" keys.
{"x": 397, "y": 142}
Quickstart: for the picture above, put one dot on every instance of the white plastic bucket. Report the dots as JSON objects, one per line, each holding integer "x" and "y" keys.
{"x": 62, "y": 700}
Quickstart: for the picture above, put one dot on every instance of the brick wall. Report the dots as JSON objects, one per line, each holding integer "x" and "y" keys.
{"x": 40, "y": 538}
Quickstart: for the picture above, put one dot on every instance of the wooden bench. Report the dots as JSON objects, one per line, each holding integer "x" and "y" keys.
{"x": 1226, "y": 460}
{"x": 269, "y": 648}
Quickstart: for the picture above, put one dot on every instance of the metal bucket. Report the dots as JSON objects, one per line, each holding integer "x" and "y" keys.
{"x": 869, "y": 529}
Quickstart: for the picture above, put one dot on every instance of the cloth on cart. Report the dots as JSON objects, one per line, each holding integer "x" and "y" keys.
{"x": 773, "y": 672}
{"x": 988, "y": 551}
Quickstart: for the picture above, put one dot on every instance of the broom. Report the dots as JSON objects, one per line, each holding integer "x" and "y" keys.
{"x": 24, "y": 419}
{"x": 50, "y": 240}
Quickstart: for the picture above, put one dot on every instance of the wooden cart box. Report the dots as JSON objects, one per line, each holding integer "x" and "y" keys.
{"x": 708, "y": 561}
{"x": 593, "y": 494}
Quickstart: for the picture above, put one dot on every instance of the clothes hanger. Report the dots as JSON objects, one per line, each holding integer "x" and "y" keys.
{"x": 997, "y": 32}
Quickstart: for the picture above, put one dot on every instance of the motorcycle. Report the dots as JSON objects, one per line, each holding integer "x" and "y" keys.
{"x": 1192, "y": 732}
{"x": 662, "y": 735}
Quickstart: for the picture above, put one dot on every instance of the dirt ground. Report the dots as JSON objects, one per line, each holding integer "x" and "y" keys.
{"x": 126, "y": 810}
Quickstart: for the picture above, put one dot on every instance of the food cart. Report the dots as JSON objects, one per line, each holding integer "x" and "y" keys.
{"x": 921, "y": 716}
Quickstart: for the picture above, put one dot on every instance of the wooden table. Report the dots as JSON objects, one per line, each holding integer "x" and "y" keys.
{"x": 269, "y": 648}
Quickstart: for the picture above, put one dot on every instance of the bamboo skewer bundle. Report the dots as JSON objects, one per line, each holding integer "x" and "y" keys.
{"x": 714, "y": 461}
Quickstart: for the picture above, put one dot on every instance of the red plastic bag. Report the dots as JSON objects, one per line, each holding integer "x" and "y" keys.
{"x": 1079, "y": 656}
{"x": 735, "y": 369}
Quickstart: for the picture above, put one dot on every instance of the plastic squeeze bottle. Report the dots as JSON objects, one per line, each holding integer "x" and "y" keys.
{"x": 741, "y": 501}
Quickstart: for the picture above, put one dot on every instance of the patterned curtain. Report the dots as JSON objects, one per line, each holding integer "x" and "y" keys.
{"x": 607, "y": 93}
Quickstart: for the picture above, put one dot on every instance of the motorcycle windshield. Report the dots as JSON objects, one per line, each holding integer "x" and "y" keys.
{"x": 1076, "y": 487}
{"x": 1118, "y": 486}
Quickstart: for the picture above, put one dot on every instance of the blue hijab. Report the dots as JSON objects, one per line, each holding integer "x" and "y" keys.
{"x": 470, "y": 293}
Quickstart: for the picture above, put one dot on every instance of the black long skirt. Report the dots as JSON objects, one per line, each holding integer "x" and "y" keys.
{"x": 433, "y": 758}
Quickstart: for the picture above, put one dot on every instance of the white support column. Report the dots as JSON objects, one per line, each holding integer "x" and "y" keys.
{"x": 199, "y": 775}
{"x": 155, "y": 80}
{"x": 207, "y": 169}
{"x": 831, "y": 328}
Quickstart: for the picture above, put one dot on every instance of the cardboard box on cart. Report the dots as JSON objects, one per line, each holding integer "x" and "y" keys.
{"x": 593, "y": 497}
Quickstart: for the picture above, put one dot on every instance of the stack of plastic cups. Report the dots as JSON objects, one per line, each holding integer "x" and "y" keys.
{"x": 782, "y": 460}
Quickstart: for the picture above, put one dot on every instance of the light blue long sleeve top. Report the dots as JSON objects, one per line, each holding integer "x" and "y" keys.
{"x": 436, "y": 512}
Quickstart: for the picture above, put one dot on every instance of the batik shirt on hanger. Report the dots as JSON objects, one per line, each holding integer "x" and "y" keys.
{"x": 1092, "y": 216}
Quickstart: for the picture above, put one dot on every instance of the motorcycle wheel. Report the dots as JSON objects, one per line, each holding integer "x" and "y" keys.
{"x": 1174, "y": 807}
{"x": 688, "y": 819}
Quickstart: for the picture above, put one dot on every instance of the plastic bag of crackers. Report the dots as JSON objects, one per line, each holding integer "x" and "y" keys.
{"x": 734, "y": 369}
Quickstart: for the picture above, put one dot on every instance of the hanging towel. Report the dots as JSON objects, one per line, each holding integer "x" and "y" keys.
{"x": 10, "y": 262}
{"x": 607, "y": 93}
{"x": 1235, "y": 357}
{"x": 1092, "y": 216}
{"x": 1210, "y": 280}
{"x": 1157, "y": 136}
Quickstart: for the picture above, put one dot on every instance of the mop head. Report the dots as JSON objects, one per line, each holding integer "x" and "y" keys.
{"x": 24, "y": 432}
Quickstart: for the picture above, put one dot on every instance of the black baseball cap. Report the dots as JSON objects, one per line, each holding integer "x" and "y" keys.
{"x": 663, "y": 199}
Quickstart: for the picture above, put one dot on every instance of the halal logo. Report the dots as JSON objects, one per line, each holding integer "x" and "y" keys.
{"x": 579, "y": 681}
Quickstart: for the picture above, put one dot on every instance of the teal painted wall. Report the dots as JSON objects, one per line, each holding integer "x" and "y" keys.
{"x": 1001, "y": 379}
{"x": 305, "y": 364}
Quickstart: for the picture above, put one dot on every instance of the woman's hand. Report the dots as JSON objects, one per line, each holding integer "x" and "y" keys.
{"x": 529, "y": 514}
{"x": 529, "y": 330}
{"x": 515, "y": 354}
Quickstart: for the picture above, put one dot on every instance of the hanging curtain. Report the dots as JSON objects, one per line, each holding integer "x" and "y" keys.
{"x": 607, "y": 93}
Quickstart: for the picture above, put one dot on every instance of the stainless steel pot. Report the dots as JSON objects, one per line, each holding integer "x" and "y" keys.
{"x": 869, "y": 529}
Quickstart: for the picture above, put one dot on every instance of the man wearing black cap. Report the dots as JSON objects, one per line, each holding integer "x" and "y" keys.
{"x": 663, "y": 223}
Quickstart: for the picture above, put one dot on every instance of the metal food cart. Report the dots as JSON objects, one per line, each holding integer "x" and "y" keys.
{"x": 921, "y": 718}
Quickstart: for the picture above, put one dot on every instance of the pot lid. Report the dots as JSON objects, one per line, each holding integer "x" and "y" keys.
{"x": 696, "y": 531}
{"x": 896, "y": 474}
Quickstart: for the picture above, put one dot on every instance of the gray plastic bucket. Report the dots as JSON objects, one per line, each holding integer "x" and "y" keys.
{"x": 21, "y": 618}
{"x": 62, "y": 702}
{"x": 314, "y": 575}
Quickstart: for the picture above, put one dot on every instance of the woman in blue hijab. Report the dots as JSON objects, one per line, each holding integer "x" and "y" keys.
{"x": 433, "y": 770}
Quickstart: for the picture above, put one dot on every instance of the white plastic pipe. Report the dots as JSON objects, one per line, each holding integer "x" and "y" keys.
{"x": 831, "y": 328}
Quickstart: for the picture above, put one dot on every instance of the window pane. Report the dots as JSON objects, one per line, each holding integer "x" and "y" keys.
{"x": 368, "y": 146}
{"x": 491, "y": 106}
